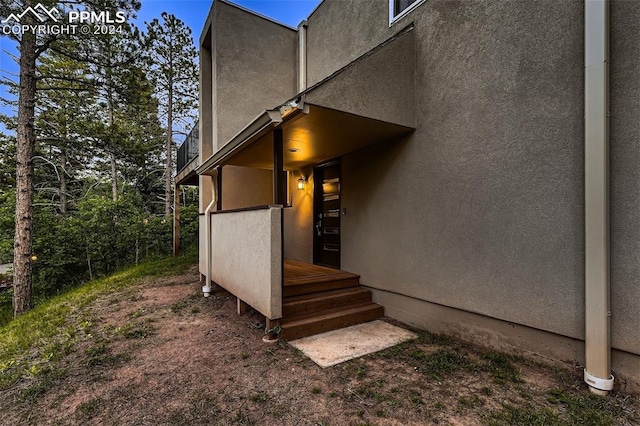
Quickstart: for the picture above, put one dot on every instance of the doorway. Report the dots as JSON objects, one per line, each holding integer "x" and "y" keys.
{"x": 326, "y": 213}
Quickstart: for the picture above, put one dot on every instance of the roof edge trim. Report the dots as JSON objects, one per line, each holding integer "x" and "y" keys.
{"x": 259, "y": 15}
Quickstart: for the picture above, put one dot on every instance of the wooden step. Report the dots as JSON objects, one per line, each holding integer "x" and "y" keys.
{"x": 309, "y": 304}
{"x": 330, "y": 320}
{"x": 308, "y": 286}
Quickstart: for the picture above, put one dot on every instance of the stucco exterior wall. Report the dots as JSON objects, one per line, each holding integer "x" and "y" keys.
{"x": 340, "y": 31}
{"x": 246, "y": 187}
{"x": 625, "y": 175}
{"x": 485, "y": 199}
{"x": 479, "y": 212}
{"x": 255, "y": 67}
{"x": 246, "y": 257}
{"x": 298, "y": 220}
{"x": 379, "y": 85}
{"x": 481, "y": 209}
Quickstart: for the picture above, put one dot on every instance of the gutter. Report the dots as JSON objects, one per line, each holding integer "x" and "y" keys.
{"x": 597, "y": 372}
{"x": 302, "y": 56}
{"x": 208, "y": 247}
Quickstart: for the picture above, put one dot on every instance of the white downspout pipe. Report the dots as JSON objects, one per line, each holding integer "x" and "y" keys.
{"x": 597, "y": 373}
{"x": 206, "y": 290}
{"x": 302, "y": 56}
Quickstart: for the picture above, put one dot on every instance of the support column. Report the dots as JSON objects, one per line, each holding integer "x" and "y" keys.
{"x": 218, "y": 196}
{"x": 279, "y": 176}
{"x": 176, "y": 221}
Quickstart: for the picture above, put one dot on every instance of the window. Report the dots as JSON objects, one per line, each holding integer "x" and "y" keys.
{"x": 399, "y": 8}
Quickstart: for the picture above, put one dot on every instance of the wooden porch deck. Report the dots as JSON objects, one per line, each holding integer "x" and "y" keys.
{"x": 319, "y": 299}
{"x": 304, "y": 278}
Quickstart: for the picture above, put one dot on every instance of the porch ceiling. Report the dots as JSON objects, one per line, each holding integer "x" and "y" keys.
{"x": 317, "y": 136}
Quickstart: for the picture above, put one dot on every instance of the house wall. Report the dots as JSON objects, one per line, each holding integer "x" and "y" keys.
{"x": 246, "y": 187}
{"x": 481, "y": 210}
{"x": 486, "y": 197}
{"x": 340, "y": 31}
{"x": 625, "y": 175}
{"x": 256, "y": 67}
{"x": 240, "y": 53}
{"x": 298, "y": 220}
{"x": 474, "y": 224}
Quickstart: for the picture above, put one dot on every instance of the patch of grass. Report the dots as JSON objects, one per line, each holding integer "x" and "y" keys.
{"x": 415, "y": 397}
{"x": 245, "y": 355}
{"x": 471, "y": 402}
{"x": 89, "y": 409}
{"x": 354, "y": 368}
{"x": 43, "y": 379}
{"x": 136, "y": 330}
{"x": 298, "y": 354}
{"x": 316, "y": 390}
{"x": 501, "y": 367}
{"x": 486, "y": 391}
{"x": 202, "y": 409}
{"x": 261, "y": 396}
{"x": 33, "y": 391}
{"x": 100, "y": 355}
{"x": 54, "y": 324}
{"x": 527, "y": 415}
{"x": 587, "y": 409}
{"x": 177, "y": 307}
{"x": 137, "y": 313}
{"x": 442, "y": 362}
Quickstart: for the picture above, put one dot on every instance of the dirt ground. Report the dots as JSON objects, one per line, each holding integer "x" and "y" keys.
{"x": 161, "y": 354}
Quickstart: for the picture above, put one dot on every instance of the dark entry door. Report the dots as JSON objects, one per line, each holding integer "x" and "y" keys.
{"x": 326, "y": 213}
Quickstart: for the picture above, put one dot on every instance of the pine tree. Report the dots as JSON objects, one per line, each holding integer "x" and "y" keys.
{"x": 31, "y": 47}
{"x": 173, "y": 58}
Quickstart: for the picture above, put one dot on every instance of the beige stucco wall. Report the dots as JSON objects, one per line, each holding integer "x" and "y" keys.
{"x": 485, "y": 198}
{"x": 625, "y": 175}
{"x": 246, "y": 187}
{"x": 246, "y": 257}
{"x": 340, "y": 31}
{"x": 482, "y": 208}
{"x": 255, "y": 67}
{"x": 298, "y": 219}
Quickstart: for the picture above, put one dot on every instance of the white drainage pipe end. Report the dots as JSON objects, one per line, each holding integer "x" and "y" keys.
{"x": 598, "y": 384}
{"x": 206, "y": 290}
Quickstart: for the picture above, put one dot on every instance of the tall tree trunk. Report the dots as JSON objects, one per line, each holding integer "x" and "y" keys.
{"x": 114, "y": 165}
{"x": 63, "y": 182}
{"x": 62, "y": 160}
{"x": 114, "y": 177}
{"x": 169, "y": 147}
{"x": 24, "y": 175}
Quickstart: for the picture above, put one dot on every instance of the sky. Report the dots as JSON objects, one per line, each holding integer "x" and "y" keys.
{"x": 191, "y": 12}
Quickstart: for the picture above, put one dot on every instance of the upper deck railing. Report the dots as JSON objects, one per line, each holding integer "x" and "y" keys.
{"x": 188, "y": 150}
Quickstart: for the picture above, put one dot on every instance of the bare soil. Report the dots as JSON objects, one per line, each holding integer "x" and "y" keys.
{"x": 161, "y": 354}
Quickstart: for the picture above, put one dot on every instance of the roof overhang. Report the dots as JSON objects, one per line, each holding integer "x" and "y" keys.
{"x": 369, "y": 101}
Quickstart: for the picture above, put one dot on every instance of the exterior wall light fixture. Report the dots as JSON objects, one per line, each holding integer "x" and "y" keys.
{"x": 302, "y": 183}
